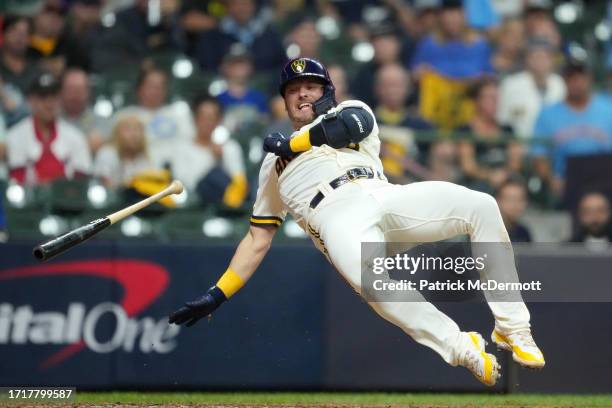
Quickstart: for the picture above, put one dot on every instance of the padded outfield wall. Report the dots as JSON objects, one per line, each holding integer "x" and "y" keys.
{"x": 96, "y": 318}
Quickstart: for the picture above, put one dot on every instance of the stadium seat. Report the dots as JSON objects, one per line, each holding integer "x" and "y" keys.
{"x": 201, "y": 225}
{"x": 68, "y": 196}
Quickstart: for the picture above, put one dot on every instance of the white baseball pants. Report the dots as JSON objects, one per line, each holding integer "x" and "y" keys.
{"x": 369, "y": 210}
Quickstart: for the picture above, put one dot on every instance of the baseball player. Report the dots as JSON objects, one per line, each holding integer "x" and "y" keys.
{"x": 328, "y": 175}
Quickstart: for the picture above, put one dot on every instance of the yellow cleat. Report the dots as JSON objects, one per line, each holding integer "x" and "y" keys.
{"x": 483, "y": 365}
{"x": 523, "y": 348}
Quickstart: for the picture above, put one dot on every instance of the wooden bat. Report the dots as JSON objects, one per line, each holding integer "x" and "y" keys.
{"x": 64, "y": 242}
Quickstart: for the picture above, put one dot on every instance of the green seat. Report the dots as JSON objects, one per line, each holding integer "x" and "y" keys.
{"x": 34, "y": 225}
{"x": 68, "y": 196}
{"x": 201, "y": 225}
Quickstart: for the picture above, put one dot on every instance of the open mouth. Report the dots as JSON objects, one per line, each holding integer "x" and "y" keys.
{"x": 304, "y": 106}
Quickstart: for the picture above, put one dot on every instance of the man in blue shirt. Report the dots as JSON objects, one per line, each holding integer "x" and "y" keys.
{"x": 579, "y": 125}
{"x": 454, "y": 51}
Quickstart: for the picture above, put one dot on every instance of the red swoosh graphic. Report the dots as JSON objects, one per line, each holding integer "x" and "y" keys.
{"x": 143, "y": 282}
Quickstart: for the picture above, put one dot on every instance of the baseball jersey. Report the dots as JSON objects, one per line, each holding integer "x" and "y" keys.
{"x": 289, "y": 185}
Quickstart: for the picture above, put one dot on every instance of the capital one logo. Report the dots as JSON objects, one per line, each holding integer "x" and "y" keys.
{"x": 142, "y": 283}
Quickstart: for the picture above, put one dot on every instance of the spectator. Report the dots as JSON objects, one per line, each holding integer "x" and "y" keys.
{"x": 579, "y": 125}
{"x": 77, "y": 110}
{"x": 43, "y": 147}
{"x": 426, "y": 19}
{"x": 481, "y": 15}
{"x": 508, "y": 57}
{"x": 243, "y": 104}
{"x": 539, "y": 23}
{"x": 488, "y": 152}
{"x": 241, "y": 25}
{"x": 212, "y": 164}
{"x": 306, "y": 37}
{"x": 445, "y": 62}
{"x": 593, "y": 221}
{"x": 142, "y": 29}
{"x": 511, "y": 198}
{"x": 387, "y": 46}
{"x": 392, "y": 87}
{"x": 164, "y": 123}
{"x": 51, "y": 42}
{"x": 84, "y": 27}
{"x": 442, "y": 161}
{"x": 523, "y": 95}
{"x": 13, "y": 104}
{"x": 198, "y": 16}
{"x": 16, "y": 68}
{"x": 280, "y": 120}
{"x": 338, "y": 77}
{"x": 454, "y": 50}
{"x": 118, "y": 163}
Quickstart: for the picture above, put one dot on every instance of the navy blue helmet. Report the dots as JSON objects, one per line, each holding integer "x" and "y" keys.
{"x": 308, "y": 67}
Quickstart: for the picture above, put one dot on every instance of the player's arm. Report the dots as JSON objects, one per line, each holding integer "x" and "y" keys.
{"x": 337, "y": 129}
{"x": 246, "y": 259}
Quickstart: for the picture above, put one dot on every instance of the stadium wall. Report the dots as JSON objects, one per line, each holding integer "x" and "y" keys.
{"x": 96, "y": 319}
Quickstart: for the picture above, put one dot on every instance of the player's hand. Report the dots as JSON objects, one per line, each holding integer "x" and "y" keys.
{"x": 278, "y": 144}
{"x": 194, "y": 310}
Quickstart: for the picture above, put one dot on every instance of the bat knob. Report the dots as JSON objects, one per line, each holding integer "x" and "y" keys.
{"x": 176, "y": 187}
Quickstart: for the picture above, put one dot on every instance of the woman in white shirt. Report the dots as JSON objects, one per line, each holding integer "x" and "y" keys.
{"x": 117, "y": 163}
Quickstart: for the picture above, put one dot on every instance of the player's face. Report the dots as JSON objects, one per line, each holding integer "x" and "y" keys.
{"x": 300, "y": 95}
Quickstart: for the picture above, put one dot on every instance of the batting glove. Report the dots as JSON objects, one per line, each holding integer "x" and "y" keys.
{"x": 278, "y": 144}
{"x": 198, "y": 308}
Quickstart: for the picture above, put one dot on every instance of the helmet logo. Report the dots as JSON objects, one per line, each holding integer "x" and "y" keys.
{"x": 298, "y": 66}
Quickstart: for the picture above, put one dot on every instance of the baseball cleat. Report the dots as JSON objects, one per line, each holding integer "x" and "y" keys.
{"x": 483, "y": 365}
{"x": 523, "y": 347}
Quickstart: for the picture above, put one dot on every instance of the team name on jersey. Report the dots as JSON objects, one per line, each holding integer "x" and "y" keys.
{"x": 281, "y": 163}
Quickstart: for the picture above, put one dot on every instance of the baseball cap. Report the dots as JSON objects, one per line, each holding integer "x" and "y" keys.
{"x": 575, "y": 66}
{"x": 237, "y": 53}
{"x": 44, "y": 84}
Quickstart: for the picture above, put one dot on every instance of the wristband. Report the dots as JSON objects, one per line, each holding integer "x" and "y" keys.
{"x": 301, "y": 142}
{"x": 230, "y": 283}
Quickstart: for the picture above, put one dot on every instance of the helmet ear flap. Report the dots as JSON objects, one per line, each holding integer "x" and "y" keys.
{"x": 327, "y": 101}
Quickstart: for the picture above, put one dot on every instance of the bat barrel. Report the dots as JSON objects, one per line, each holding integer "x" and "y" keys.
{"x": 60, "y": 244}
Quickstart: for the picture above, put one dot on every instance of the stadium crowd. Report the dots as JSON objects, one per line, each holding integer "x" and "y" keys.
{"x": 132, "y": 93}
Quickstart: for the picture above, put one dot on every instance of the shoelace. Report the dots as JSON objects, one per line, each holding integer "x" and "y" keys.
{"x": 472, "y": 361}
{"x": 526, "y": 339}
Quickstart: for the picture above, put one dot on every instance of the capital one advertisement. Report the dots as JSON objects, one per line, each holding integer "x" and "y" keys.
{"x": 97, "y": 317}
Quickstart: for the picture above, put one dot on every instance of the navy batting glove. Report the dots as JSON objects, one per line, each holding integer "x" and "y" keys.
{"x": 198, "y": 308}
{"x": 278, "y": 144}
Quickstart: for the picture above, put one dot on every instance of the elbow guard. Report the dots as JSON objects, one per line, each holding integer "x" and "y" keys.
{"x": 339, "y": 129}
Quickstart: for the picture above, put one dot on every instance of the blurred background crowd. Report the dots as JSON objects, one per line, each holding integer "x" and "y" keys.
{"x": 105, "y": 101}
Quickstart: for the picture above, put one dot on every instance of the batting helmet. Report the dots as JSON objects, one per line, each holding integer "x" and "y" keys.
{"x": 308, "y": 67}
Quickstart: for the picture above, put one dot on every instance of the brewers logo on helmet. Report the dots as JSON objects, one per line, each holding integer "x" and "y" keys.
{"x": 298, "y": 66}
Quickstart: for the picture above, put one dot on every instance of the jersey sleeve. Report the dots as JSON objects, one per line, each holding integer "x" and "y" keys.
{"x": 268, "y": 210}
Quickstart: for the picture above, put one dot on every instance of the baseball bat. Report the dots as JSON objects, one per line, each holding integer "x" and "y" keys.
{"x": 64, "y": 242}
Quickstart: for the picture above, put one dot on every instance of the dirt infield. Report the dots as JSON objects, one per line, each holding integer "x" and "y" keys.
{"x": 197, "y": 405}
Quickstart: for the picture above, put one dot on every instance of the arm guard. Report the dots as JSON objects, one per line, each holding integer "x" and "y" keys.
{"x": 339, "y": 129}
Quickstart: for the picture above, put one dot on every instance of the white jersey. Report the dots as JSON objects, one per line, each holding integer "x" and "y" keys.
{"x": 289, "y": 186}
